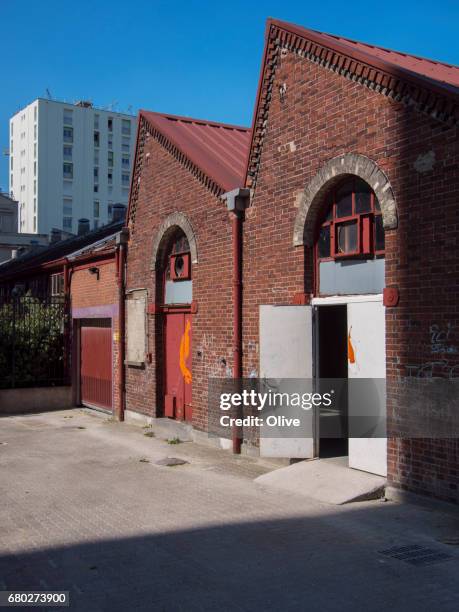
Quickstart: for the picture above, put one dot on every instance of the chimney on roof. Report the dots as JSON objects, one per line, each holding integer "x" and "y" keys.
{"x": 118, "y": 212}
{"x": 83, "y": 226}
{"x": 55, "y": 235}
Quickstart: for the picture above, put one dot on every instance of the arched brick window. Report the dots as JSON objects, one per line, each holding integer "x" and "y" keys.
{"x": 350, "y": 230}
{"x": 177, "y": 269}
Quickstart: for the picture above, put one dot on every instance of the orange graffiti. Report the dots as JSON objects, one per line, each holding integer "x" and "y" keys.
{"x": 184, "y": 353}
{"x": 350, "y": 348}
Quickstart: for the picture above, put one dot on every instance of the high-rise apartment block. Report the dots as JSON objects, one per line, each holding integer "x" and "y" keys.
{"x": 69, "y": 161}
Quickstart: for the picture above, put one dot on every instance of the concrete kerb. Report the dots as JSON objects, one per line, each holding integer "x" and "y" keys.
{"x": 168, "y": 428}
{"x": 35, "y": 399}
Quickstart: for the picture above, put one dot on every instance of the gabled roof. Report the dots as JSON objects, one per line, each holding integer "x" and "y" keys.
{"x": 379, "y": 57}
{"x": 215, "y": 152}
{"x": 220, "y": 150}
{"x": 432, "y": 69}
{"x": 430, "y": 86}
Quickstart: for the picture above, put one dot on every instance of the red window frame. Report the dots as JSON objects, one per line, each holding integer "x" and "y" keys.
{"x": 177, "y": 246}
{"x": 186, "y": 273}
{"x": 366, "y": 227}
{"x": 56, "y": 284}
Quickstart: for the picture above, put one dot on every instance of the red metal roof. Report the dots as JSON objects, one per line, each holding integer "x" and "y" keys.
{"x": 430, "y": 69}
{"x": 218, "y": 149}
{"x": 446, "y": 73}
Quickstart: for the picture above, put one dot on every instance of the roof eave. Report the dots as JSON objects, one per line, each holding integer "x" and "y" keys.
{"x": 220, "y": 186}
{"x": 439, "y": 87}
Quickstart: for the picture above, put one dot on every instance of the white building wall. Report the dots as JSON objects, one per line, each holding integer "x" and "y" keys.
{"x": 21, "y": 162}
{"x": 43, "y": 129}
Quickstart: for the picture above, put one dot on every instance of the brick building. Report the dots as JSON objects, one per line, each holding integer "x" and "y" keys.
{"x": 94, "y": 277}
{"x": 85, "y": 273}
{"x": 348, "y": 246}
{"x": 320, "y": 244}
{"x": 179, "y": 270}
{"x": 354, "y": 172}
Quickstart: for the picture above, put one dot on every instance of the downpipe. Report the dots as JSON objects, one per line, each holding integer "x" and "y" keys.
{"x": 236, "y": 224}
{"x": 236, "y": 201}
{"x": 121, "y": 243}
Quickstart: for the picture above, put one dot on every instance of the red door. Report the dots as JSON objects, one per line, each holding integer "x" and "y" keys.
{"x": 178, "y": 376}
{"x": 96, "y": 363}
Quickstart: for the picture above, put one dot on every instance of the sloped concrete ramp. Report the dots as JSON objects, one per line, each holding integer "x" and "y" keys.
{"x": 325, "y": 480}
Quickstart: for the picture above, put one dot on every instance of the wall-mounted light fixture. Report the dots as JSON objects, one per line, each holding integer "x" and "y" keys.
{"x": 94, "y": 270}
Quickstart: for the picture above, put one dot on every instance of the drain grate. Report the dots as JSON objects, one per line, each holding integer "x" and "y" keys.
{"x": 416, "y": 555}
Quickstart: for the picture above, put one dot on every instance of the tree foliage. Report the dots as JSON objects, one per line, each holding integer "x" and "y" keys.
{"x": 32, "y": 342}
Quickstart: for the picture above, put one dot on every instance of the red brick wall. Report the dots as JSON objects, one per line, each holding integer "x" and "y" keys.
{"x": 167, "y": 187}
{"x": 326, "y": 115}
{"x": 87, "y": 292}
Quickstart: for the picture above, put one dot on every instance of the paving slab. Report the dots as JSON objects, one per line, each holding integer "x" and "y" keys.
{"x": 327, "y": 481}
{"x": 85, "y": 508}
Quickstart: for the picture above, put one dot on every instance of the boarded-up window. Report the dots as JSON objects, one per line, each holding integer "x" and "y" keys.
{"x": 136, "y": 327}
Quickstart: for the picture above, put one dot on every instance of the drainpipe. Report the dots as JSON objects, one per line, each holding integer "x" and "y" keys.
{"x": 121, "y": 244}
{"x": 236, "y": 202}
{"x": 67, "y": 330}
{"x": 66, "y": 278}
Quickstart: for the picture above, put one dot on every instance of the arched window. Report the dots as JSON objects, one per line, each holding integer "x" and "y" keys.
{"x": 177, "y": 270}
{"x": 350, "y": 234}
{"x": 353, "y": 224}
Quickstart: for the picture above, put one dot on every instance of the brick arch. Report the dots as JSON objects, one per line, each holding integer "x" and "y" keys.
{"x": 349, "y": 164}
{"x": 167, "y": 227}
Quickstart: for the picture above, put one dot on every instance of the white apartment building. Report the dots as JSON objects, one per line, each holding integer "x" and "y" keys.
{"x": 69, "y": 161}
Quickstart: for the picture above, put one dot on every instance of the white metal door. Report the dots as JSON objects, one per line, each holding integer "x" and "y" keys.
{"x": 367, "y": 359}
{"x": 286, "y": 352}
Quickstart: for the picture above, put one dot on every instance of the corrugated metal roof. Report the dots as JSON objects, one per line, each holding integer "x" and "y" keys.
{"x": 105, "y": 244}
{"x": 218, "y": 149}
{"x": 439, "y": 71}
{"x": 54, "y": 252}
{"x": 432, "y": 70}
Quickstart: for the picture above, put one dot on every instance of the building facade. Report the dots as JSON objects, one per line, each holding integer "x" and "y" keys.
{"x": 95, "y": 286}
{"x": 12, "y": 242}
{"x": 68, "y": 161}
{"x": 349, "y": 268}
{"x": 320, "y": 244}
{"x": 179, "y": 267}
{"x": 354, "y": 172}
{"x": 82, "y": 277}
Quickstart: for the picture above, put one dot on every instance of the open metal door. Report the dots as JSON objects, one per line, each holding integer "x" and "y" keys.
{"x": 367, "y": 360}
{"x": 286, "y": 348}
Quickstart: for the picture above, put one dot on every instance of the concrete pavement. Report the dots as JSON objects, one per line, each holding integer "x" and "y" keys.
{"x": 327, "y": 480}
{"x": 85, "y": 508}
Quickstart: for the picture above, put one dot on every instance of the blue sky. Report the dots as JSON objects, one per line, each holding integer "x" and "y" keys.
{"x": 193, "y": 58}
